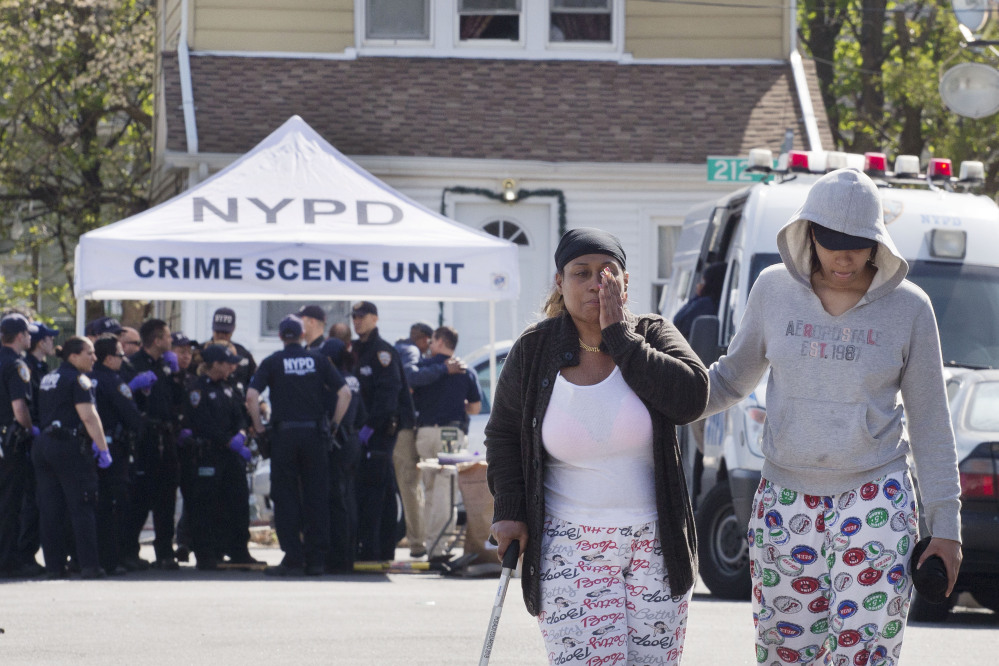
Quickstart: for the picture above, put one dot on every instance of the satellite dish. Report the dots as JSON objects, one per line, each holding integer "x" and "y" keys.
{"x": 971, "y": 90}
{"x": 973, "y": 14}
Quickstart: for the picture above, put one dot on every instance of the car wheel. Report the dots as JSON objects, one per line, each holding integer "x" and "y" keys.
{"x": 723, "y": 549}
{"x": 922, "y": 610}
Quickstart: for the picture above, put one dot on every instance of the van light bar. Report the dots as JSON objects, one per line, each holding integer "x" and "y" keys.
{"x": 835, "y": 160}
{"x": 948, "y": 243}
{"x": 798, "y": 161}
{"x": 939, "y": 169}
{"x": 761, "y": 159}
{"x": 907, "y": 166}
{"x": 972, "y": 171}
{"x": 875, "y": 164}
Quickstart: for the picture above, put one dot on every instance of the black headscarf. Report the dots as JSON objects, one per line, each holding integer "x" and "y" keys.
{"x": 587, "y": 240}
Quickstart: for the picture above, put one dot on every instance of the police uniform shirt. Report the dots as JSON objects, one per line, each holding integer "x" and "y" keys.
{"x": 213, "y": 410}
{"x": 61, "y": 391}
{"x": 115, "y": 404}
{"x": 303, "y": 384}
{"x": 443, "y": 402}
{"x": 15, "y": 383}
{"x": 317, "y": 343}
{"x": 39, "y": 368}
{"x": 163, "y": 395}
{"x": 380, "y": 373}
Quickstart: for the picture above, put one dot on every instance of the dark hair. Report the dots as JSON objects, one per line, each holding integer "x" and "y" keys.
{"x": 420, "y": 330}
{"x": 73, "y": 345}
{"x": 106, "y": 345}
{"x": 447, "y": 335}
{"x": 151, "y": 330}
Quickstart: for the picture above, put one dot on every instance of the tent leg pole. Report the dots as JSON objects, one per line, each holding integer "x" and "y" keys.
{"x": 81, "y": 314}
{"x": 492, "y": 351}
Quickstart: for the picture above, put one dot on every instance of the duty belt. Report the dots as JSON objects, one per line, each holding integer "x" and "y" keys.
{"x": 58, "y": 429}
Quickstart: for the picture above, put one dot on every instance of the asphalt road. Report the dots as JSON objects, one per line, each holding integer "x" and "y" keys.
{"x": 221, "y": 618}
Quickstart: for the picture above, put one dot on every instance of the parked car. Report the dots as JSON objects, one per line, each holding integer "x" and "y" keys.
{"x": 974, "y": 404}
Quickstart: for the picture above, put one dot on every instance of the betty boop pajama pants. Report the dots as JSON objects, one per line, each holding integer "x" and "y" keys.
{"x": 606, "y": 598}
{"x": 831, "y": 578}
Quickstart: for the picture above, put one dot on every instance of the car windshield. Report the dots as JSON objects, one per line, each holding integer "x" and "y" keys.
{"x": 983, "y": 410}
{"x": 966, "y": 302}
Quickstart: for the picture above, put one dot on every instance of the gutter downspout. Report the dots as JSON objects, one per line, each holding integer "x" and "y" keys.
{"x": 801, "y": 85}
{"x": 187, "y": 95}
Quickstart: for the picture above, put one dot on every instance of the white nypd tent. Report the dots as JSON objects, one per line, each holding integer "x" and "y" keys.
{"x": 293, "y": 217}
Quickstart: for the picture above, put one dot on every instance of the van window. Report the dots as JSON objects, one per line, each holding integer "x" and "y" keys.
{"x": 966, "y": 303}
{"x": 731, "y": 298}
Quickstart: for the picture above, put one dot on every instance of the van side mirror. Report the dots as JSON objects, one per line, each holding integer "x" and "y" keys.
{"x": 704, "y": 338}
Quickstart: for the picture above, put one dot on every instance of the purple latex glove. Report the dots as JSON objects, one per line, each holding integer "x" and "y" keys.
{"x": 142, "y": 381}
{"x": 238, "y": 444}
{"x": 171, "y": 360}
{"x": 35, "y": 432}
{"x": 365, "y": 434}
{"x": 103, "y": 456}
{"x": 183, "y": 436}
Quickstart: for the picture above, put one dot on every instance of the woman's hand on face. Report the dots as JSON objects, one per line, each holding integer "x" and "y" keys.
{"x": 950, "y": 552}
{"x": 505, "y": 531}
{"x": 611, "y": 299}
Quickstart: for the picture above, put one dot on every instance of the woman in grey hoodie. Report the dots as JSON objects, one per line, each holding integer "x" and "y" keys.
{"x": 834, "y": 518}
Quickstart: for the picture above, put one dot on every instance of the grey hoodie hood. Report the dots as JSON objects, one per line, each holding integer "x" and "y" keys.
{"x": 848, "y": 201}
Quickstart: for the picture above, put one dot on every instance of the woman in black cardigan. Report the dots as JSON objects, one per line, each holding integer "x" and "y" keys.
{"x": 585, "y": 469}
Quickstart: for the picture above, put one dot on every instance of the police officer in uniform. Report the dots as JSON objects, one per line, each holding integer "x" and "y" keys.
{"x": 29, "y": 541}
{"x": 314, "y": 322}
{"x": 390, "y": 406}
{"x": 16, "y": 430}
{"x": 218, "y": 505}
{"x": 345, "y": 455}
{"x": 121, "y": 421}
{"x": 223, "y": 325}
{"x": 183, "y": 347}
{"x": 155, "y": 473}
{"x": 303, "y": 386}
{"x": 63, "y": 456}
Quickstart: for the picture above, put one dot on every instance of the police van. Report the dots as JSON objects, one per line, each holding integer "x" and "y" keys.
{"x": 947, "y": 234}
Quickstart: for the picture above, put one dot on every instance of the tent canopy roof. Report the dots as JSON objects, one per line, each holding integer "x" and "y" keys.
{"x": 294, "y": 217}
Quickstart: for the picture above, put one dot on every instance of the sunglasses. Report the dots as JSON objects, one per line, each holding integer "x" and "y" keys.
{"x": 131, "y": 342}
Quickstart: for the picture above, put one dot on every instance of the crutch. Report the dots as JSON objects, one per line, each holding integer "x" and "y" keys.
{"x": 509, "y": 564}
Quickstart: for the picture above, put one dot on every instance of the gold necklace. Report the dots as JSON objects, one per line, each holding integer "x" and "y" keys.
{"x": 587, "y": 347}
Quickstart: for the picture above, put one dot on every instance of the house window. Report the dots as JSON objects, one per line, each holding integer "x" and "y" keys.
{"x": 667, "y": 236}
{"x": 489, "y": 20}
{"x": 398, "y": 19}
{"x": 580, "y": 21}
{"x": 507, "y": 230}
{"x": 272, "y": 312}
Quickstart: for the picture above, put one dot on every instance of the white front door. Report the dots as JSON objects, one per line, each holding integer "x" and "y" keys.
{"x": 529, "y": 225}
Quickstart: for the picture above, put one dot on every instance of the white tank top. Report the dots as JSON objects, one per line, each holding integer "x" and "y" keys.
{"x": 599, "y": 442}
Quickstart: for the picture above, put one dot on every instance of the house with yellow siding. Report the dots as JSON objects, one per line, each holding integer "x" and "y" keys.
{"x": 584, "y": 112}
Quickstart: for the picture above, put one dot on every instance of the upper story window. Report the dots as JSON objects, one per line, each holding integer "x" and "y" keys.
{"x": 397, "y": 20}
{"x": 532, "y": 29}
{"x": 489, "y": 19}
{"x": 580, "y": 21}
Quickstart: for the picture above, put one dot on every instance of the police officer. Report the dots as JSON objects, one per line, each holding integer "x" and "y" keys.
{"x": 102, "y": 326}
{"x": 314, "y": 322}
{"x": 183, "y": 347}
{"x": 29, "y": 541}
{"x": 121, "y": 421}
{"x": 389, "y": 404}
{"x": 303, "y": 386}
{"x": 155, "y": 473}
{"x": 345, "y": 455}
{"x": 223, "y": 325}
{"x": 218, "y": 502}
{"x": 15, "y": 434}
{"x": 63, "y": 456}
